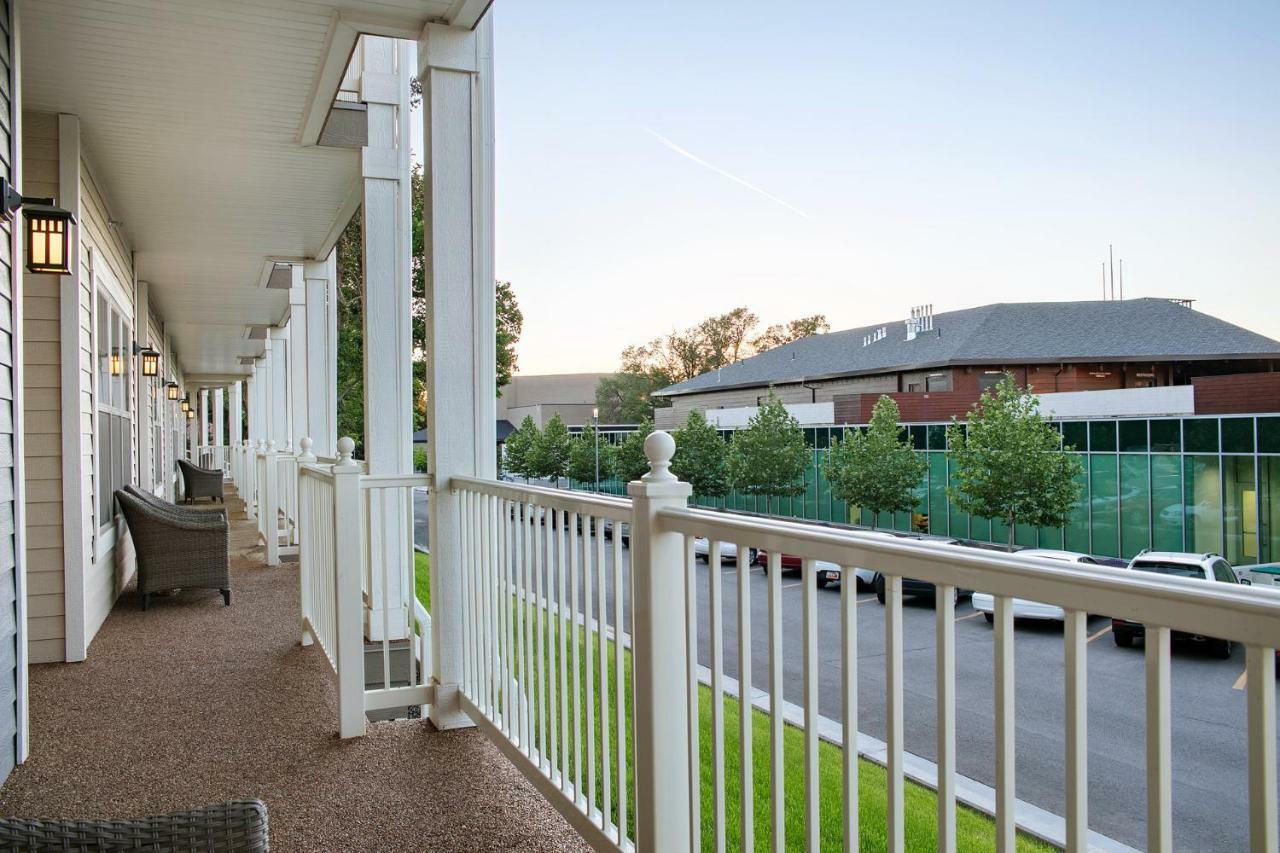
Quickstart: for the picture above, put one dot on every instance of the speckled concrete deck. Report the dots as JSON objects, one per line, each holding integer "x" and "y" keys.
{"x": 192, "y": 703}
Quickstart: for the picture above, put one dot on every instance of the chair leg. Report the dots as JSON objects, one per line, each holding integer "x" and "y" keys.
{"x": 146, "y": 600}
{"x": 226, "y": 598}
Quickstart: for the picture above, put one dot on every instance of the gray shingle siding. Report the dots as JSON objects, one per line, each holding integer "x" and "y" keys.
{"x": 1014, "y": 333}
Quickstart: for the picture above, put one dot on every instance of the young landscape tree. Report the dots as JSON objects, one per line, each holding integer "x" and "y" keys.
{"x": 627, "y": 461}
{"x": 518, "y": 447}
{"x": 582, "y": 456}
{"x": 549, "y": 454}
{"x": 702, "y": 457}
{"x": 1009, "y": 463}
{"x": 876, "y": 469}
{"x": 768, "y": 457}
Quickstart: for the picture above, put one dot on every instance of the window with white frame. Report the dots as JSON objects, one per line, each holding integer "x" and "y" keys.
{"x": 113, "y": 349}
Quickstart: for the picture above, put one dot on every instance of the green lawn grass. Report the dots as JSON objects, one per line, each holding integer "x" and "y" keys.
{"x": 422, "y": 578}
{"x": 974, "y": 831}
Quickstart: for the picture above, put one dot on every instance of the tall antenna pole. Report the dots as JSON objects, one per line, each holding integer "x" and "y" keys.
{"x": 1111, "y": 256}
{"x": 1104, "y": 281}
{"x": 1122, "y": 278}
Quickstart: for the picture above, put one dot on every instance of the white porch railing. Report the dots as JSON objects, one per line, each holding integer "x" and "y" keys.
{"x": 333, "y": 510}
{"x": 215, "y": 457}
{"x": 545, "y": 612}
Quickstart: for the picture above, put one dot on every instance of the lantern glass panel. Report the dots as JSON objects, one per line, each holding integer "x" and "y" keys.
{"x": 150, "y": 362}
{"x": 48, "y": 241}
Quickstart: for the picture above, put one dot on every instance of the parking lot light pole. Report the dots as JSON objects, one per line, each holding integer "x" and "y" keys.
{"x": 595, "y": 432}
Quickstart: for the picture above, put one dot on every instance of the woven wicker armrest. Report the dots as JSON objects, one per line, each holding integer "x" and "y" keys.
{"x": 239, "y": 826}
{"x": 216, "y": 517}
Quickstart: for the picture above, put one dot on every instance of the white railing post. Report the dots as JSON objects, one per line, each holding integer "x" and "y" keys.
{"x": 348, "y": 534}
{"x": 268, "y": 503}
{"x": 305, "y": 570}
{"x": 659, "y": 655}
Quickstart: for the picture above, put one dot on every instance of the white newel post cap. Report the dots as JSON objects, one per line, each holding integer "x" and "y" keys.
{"x": 659, "y": 448}
{"x": 271, "y": 446}
{"x": 346, "y": 446}
{"x": 305, "y": 454}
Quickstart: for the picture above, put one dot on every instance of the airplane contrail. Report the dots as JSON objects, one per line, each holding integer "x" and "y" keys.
{"x": 755, "y": 189}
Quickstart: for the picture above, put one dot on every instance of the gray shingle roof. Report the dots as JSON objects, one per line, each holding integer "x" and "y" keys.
{"x": 1009, "y": 333}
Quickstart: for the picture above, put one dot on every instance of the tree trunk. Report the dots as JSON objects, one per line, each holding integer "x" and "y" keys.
{"x": 1012, "y": 522}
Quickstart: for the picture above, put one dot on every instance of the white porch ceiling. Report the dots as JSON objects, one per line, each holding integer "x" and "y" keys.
{"x": 190, "y": 114}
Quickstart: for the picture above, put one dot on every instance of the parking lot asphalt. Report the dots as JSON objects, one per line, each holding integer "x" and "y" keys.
{"x": 1210, "y": 782}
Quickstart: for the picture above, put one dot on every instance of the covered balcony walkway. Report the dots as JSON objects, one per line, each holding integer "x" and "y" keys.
{"x": 192, "y": 703}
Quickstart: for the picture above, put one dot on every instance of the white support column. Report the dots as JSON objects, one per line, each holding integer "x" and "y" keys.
{"x": 321, "y": 282}
{"x": 204, "y": 421}
{"x": 219, "y": 434}
{"x": 236, "y": 405}
{"x": 457, "y": 91}
{"x": 298, "y": 343}
{"x": 279, "y": 400}
{"x": 388, "y": 368}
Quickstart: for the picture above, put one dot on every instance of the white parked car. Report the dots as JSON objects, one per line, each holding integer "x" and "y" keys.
{"x": 985, "y": 602}
{"x": 728, "y": 551}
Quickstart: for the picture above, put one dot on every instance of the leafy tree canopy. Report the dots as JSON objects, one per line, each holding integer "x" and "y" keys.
{"x": 582, "y": 456}
{"x": 715, "y": 342}
{"x": 627, "y": 461}
{"x": 876, "y": 469}
{"x": 549, "y": 454}
{"x": 1009, "y": 463}
{"x": 769, "y": 457}
{"x": 519, "y": 446}
{"x": 702, "y": 457}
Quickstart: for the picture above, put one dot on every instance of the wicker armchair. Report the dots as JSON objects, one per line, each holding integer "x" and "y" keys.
{"x": 215, "y": 516}
{"x": 176, "y": 550}
{"x": 200, "y": 482}
{"x": 223, "y": 828}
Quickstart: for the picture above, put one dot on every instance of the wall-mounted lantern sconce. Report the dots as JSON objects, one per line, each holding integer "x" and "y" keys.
{"x": 48, "y": 230}
{"x": 171, "y": 389}
{"x": 191, "y": 414}
{"x": 150, "y": 360}
{"x": 185, "y": 405}
{"x": 117, "y": 364}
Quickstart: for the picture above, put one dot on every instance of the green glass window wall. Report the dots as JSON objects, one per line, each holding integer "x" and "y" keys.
{"x": 1195, "y": 483}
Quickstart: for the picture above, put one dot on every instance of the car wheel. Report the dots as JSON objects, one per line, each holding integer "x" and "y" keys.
{"x": 878, "y": 584}
{"x": 1222, "y": 648}
{"x": 821, "y": 581}
{"x": 1124, "y": 639}
{"x": 990, "y": 617}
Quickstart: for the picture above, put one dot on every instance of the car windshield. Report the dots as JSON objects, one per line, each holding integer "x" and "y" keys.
{"x": 1182, "y": 570}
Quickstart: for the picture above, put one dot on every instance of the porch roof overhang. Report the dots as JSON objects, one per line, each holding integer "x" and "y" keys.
{"x": 198, "y": 120}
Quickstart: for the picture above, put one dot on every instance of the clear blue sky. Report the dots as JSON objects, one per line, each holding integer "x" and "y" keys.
{"x": 897, "y": 154}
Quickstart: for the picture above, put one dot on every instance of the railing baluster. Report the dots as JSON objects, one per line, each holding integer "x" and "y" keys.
{"x": 896, "y": 806}
{"x": 849, "y": 703}
{"x": 378, "y": 497}
{"x": 716, "y": 626}
{"x": 1077, "y": 721}
{"x": 562, "y": 631}
{"x": 691, "y": 646}
{"x": 777, "y": 766}
{"x": 945, "y": 603}
{"x": 1005, "y": 723}
{"x": 809, "y": 583}
{"x": 619, "y": 679}
{"x": 551, "y": 606}
{"x": 528, "y": 694}
{"x": 577, "y": 534}
{"x": 602, "y": 616}
{"x": 1159, "y": 741}
{"x": 540, "y": 609}
{"x": 743, "y": 566}
{"x": 1261, "y": 677}
{"x": 594, "y": 529}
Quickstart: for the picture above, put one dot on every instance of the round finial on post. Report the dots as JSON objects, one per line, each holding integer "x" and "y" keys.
{"x": 346, "y": 446}
{"x": 659, "y": 447}
{"x": 271, "y": 446}
{"x": 305, "y": 454}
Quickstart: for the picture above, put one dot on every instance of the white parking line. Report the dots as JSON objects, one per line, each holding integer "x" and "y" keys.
{"x": 868, "y": 598}
{"x": 1101, "y": 633}
{"x": 974, "y": 615}
{"x": 1241, "y": 681}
